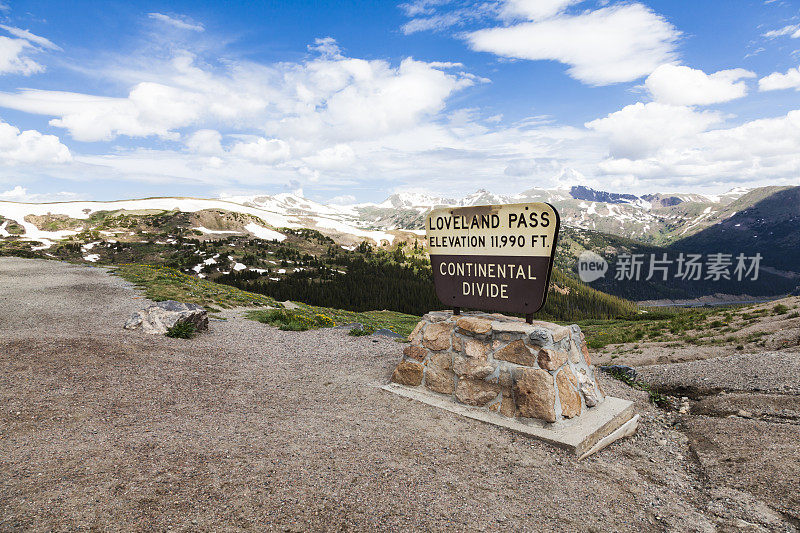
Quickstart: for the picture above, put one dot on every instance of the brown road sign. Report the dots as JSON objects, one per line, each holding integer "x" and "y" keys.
{"x": 493, "y": 257}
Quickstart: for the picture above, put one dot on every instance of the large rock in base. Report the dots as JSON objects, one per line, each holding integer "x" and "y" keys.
{"x": 438, "y": 374}
{"x": 437, "y": 336}
{"x": 551, "y": 359}
{"x": 408, "y": 373}
{"x": 476, "y": 392}
{"x": 516, "y": 352}
{"x": 535, "y": 394}
{"x": 570, "y": 399}
{"x": 158, "y": 318}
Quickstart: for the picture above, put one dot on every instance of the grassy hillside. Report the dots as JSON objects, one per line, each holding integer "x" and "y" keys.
{"x": 755, "y": 328}
{"x": 163, "y": 283}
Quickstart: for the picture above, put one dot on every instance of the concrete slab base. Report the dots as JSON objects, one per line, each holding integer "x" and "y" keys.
{"x": 595, "y": 429}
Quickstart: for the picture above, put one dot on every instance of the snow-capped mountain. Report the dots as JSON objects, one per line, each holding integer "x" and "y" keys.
{"x": 291, "y": 204}
{"x": 415, "y": 200}
{"x": 654, "y": 218}
{"x": 260, "y": 217}
{"x": 425, "y": 202}
{"x": 584, "y": 193}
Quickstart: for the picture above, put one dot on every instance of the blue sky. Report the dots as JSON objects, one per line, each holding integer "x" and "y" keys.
{"x": 351, "y": 101}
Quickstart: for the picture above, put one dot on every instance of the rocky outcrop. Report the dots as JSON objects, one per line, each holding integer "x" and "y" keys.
{"x": 538, "y": 371}
{"x": 159, "y": 317}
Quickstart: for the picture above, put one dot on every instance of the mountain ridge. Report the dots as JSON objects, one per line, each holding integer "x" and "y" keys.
{"x": 659, "y": 218}
{"x": 690, "y": 223}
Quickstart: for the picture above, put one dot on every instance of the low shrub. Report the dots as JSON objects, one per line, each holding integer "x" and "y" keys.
{"x": 182, "y": 330}
{"x": 323, "y": 321}
{"x": 780, "y": 309}
{"x": 630, "y": 379}
{"x": 288, "y": 320}
{"x": 362, "y": 331}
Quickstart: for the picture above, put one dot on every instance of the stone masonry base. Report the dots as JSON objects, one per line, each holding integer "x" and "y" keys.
{"x": 535, "y": 378}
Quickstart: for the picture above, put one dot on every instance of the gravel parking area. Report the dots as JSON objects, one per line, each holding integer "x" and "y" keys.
{"x": 250, "y": 428}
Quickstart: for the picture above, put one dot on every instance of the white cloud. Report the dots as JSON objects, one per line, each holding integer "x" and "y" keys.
{"x": 149, "y": 109}
{"x": 534, "y": 9}
{"x": 205, "y": 142}
{"x": 777, "y": 81}
{"x": 30, "y": 147}
{"x": 14, "y": 194}
{"x": 792, "y": 31}
{"x": 446, "y": 64}
{"x": 433, "y": 23}
{"x": 262, "y": 150}
{"x": 437, "y": 156}
{"x": 339, "y": 156}
{"x": 569, "y": 177}
{"x": 344, "y": 199}
{"x": 331, "y": 120}
{"x": 15, "y": 53}
{"x": 327, "y": 99}
{"x": 326, "y": 46}
{"x": 180, "y": 23}
{"x": 609, "y": 45}
{"x": 421, "y": 7}
{"x": 425, "y": 17}
{"x": 761, "y": 152}
{"x": 21, "y": 194}
{"x": 341, "y": 124}
{"x": 30, "y": 37}
{"x": 680, "y": 85}
{"x": 643, "y": 147}
{"x": 350, "y": 98}
{"x": 641, "y": 130}
{"x": 13, "y": 59}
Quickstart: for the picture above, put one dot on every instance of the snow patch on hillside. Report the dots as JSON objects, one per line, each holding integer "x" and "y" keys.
{"x": 377, "y": 236}
{"x": 264, "y": 233}
{"x": 214, "y": 231}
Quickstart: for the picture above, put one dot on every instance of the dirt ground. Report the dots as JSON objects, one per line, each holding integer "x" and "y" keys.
{"x": 251, "y": 428}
